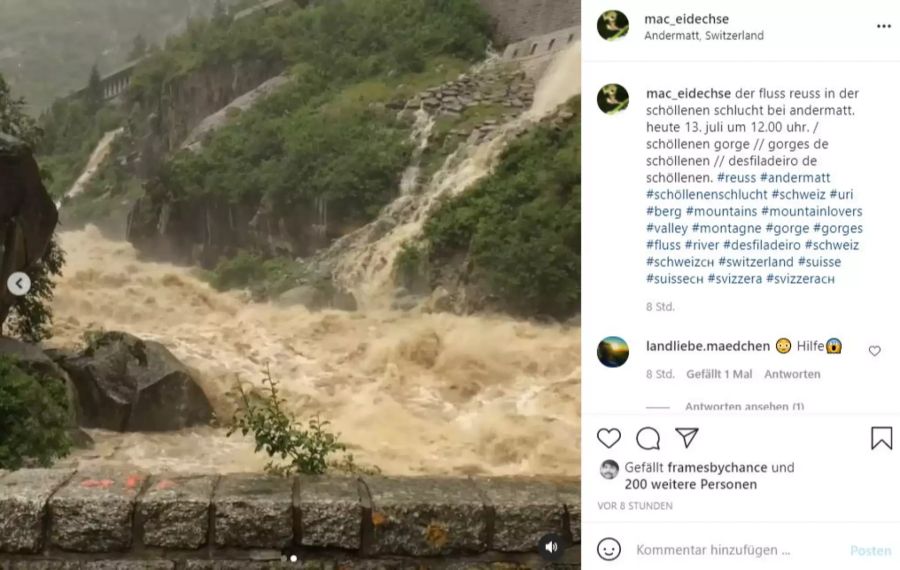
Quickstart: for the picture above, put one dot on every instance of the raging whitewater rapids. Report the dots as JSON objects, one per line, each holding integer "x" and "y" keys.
{"x": 412, "y": 393}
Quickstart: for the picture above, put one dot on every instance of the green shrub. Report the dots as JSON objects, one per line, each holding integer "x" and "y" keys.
{"x": 264, "y": 277}
{"x": 521, "y": 226}
{"x": 296, "y": 447}
{"x": 411, "y": 268}
{"x": 34, "y": 418}
{"x": 281, "y": 274}
{"x": 239, "y": 271}
{"x": 31, "y": 317}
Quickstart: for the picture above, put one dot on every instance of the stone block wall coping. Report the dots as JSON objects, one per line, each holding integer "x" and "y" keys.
{"x": 125, "y": 514}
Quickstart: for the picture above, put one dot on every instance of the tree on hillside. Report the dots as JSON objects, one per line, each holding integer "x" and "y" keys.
{"x": 13, "y": 118}
{"x": 30, "y": 318}
{"x": 94, "y": 94}
{"x": 220, "y": 13}
{"x": 139, "y": 48}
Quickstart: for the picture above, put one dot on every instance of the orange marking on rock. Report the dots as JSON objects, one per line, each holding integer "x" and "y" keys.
{"x": 94, "y": 483}
{"x": 133, "y": 481}
{"x": 165, "y": 484}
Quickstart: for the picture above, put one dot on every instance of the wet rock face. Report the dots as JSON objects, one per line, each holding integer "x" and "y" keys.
{"x": 32, "y": 359}
{"x": 127, "y": 384}
{"x": 28, "y": 216}
{"x": 164, "y": 229}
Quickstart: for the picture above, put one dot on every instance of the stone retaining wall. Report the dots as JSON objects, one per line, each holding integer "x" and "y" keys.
{"x": 516, "y": 20}
{"x": 126, "y": 519}
{"x": 533, "y": 55}
{"x": 543, "y": 45}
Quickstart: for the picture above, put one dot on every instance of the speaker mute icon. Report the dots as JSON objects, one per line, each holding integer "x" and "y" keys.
{"x": 688, "y": 435}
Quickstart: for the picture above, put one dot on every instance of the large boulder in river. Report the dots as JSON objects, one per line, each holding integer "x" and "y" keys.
{"x": 128, "y": 384}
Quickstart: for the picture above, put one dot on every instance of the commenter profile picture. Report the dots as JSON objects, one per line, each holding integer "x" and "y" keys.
{"x": 612, "y": 25}
{"x": 612, "y": 99}
{"x": 613, "y": 351}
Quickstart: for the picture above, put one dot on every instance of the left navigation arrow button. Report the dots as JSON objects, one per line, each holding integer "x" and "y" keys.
{"x": 19, "y": 284}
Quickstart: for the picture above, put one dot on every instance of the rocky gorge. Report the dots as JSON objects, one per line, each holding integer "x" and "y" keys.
{"x": 379, "y": 313}
{"x": 469, "y": 108}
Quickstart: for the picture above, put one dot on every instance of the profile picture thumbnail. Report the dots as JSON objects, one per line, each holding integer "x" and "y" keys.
{"x": 612, "y": 25}
{"x": 612, "y": 352}
{"x": 612, "y": 99}
{"x": 609, "y": 469}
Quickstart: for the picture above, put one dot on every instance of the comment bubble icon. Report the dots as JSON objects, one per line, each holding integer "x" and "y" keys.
{"x": 648, "y": 439}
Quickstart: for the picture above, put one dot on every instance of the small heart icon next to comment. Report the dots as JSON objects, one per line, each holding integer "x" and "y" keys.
{"x": 609, "y": 437}
{"x": 874, "y": 350}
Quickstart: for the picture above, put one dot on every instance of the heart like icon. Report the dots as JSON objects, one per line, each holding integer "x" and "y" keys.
{"x": 874, "y": 350}
{"x": 609, "y": 437}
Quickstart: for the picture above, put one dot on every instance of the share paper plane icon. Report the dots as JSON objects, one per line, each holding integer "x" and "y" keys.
{"x": 688, "y": 435}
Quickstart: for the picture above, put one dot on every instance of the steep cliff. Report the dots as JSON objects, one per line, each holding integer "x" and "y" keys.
{"x": 204, "y": 228}
{"x": 182, "y": 105}
{"x": 321, "y": 156}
